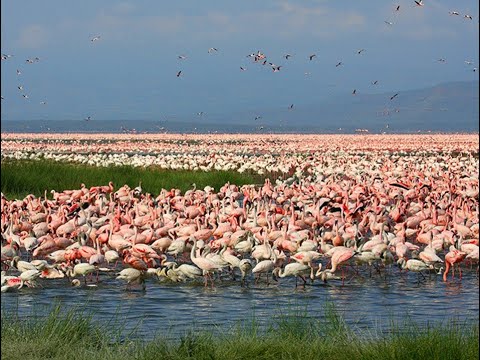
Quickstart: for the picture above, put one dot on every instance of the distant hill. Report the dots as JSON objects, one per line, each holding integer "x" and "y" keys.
{"x": 448, "y": 107}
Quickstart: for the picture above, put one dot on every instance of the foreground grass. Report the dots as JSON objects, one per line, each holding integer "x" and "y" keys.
{"x": 73, "y": 335}
{"x": 23, "y": 177}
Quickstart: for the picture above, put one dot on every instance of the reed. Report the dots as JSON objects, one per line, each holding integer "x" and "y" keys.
{"x": 290, "y": 335}
{"x": 22, "y": 177}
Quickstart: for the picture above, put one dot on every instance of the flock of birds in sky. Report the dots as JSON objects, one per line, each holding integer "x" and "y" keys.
{"x": 258, "y": 58}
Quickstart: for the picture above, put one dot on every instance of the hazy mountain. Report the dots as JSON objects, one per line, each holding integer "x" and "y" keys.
{"x": 449, "y": 107}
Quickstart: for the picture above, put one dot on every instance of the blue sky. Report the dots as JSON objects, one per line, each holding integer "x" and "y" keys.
{"x": 130, "y": 72}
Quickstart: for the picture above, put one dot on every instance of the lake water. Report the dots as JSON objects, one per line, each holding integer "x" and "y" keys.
{"x": 174, "y": 308}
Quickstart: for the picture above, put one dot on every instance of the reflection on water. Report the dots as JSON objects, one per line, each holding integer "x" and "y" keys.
{"x": 173, "y": 309}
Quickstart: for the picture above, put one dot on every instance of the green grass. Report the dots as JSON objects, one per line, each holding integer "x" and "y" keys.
{"x": 23, "y": 177}
{"x": 294, "y": 335}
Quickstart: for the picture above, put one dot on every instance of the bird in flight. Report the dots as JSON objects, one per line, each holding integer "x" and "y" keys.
{"x": 375, "y": 82}
{"x": 95, "y": 38}
{"x": 394, "y": 96}
{"x": 468, "y": 17}
{"x": 287, "y": 56}
{"x": 20, "y": 87}
{"x": 43, "y": 102}
{"x": 419, "y": 2}
{"x": 182, "y": 57}
{"x": 200, "y": 113}
{"x": 354, "y": 92}
{"x": 291, "y": 106}
{"x": 398, "y": 8}
{"x": 6, "y": 56}
{"x": 312, "y": 56}
{"x": 258, "y": 117}
{"x": 25, "y": 96}
{"x": 179, "y": 73}
{"x": 360, "y": 51}
{"x": 468, "y": 62}
{"x": 212, "y": 49}
{"x": 388, "y": 23}
{"x": 454, "y": 13}
{"x": 340, "y": 63}
{"x": 88, "y": 118}
{"x": 442, "y": 60}
{"x": 275, "y": 68}
{"x": 18, "y": 72}
{"x": 242, "y": 68}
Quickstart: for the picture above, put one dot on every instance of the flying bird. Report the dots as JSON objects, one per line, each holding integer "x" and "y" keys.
{"x": 6, "y": 56}
{"x": 388, "y": 23}
{"x": 419, "y": 2}
{"x": 18, "y": 72}
{"x": 375, "y": 82}
{"x": 25, "y": 96}
{"x": 291, "y": 106}
{"x": 360, "y": 51}
{"x": 354, "y": 92}
{"x": 468, "y": 17}
{"x": 454, "y": 13}
{"x": 20, "y": 87}
{"x": 212, "y": 49}
{"x": 179, "y": 73}
{"x": 258, "y": 117}
{"x": 287, "y": 56}
{"x": 88, "y": 118}
{"x": 468, "y": 62}
{"x": 182, "y": 57}
{"x": 95, "y": 38}
{"x": 242, "y": 68}
{"x": 276, "y": 68}
{"x": 340, "y": 63}
{"x": 200, "y": 113}
{"x": 394, "y": 96}
{"x": 398, "y": 8}
{"x": 312, "y": 56}
{"x": 441, "y": 60}
{"x": 43, "y": 102}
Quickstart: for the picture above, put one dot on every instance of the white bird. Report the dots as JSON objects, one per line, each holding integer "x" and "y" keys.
{"x": 245, "y": 267}
{"x": 18, "y": 72}
{"x": 468, "y": 17}
{"x": 95, "y": 38}
{"x": 81, "y": 269}
{"x": 25, "y": 96}
{"x": 212, "y": 49}
{"x": 43, "y": 102}
{"x": 413, "y": 265}
{"x": 295, "y": 269}
{"x": 20, "y": 87}
{"x": 131, "y": 275}
{"x": 182, "y": 57}
{"x": 454, "y": 13}
{"x": 243, "y": 68}
{"x": 388, "y": 23}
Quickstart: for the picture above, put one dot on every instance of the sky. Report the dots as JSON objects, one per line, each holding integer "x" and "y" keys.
{"x": 130, "y": 72}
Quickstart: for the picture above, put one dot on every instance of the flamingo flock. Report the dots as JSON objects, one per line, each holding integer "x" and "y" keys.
{"x": 360, "y": 206}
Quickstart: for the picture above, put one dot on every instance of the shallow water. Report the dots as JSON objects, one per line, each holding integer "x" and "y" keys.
{"x": 174, "y": 308}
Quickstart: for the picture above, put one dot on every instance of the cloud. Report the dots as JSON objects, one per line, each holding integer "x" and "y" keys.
{"x": 32, "y": 37}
